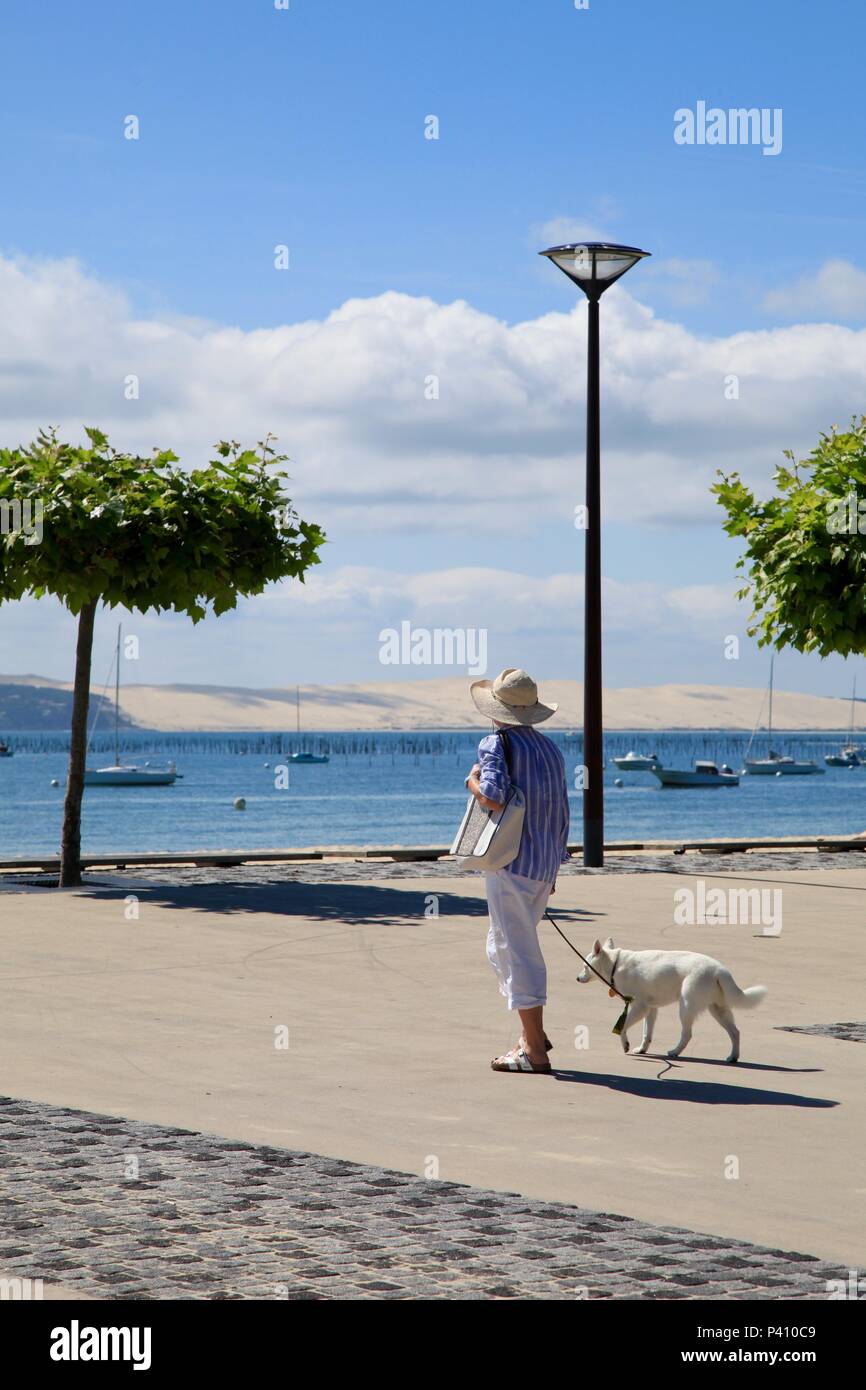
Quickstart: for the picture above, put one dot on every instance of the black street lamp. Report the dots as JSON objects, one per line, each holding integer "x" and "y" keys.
{"x": 593, "y": 265}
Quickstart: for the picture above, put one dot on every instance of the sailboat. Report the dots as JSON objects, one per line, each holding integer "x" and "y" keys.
{"x": 850, "y": 755}
{"x": 304, "y": 757}
{"x": 126, "y": 774}
{"x": 775, "y": 765}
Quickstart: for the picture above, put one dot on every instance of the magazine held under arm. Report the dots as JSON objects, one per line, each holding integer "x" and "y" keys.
{"x": 490, "y": 840}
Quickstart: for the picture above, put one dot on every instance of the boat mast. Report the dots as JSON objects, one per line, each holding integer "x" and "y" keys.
{"x": 298, "y": 708}
{"x": 851, "y": 729}
{"x": 770, "y": 720}
{"x": 117, "y": 702}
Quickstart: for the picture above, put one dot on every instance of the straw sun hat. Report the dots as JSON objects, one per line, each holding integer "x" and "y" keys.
{"x": 512, "y": 698}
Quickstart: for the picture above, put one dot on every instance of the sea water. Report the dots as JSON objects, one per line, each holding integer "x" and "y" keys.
{"x": 395, "y": 788}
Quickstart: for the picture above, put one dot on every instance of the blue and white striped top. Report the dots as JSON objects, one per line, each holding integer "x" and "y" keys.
{"x": 538, "y": 769}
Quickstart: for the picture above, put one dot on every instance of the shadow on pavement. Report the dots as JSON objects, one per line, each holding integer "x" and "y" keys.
{"x": 696, "y": 1092}
{"x": 655, "y": 1057}
{"x": 352, "y": 903}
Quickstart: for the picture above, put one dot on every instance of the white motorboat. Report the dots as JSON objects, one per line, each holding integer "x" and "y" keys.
{"x": 636, "y": 762}
{"x": 775, "y": 764}
{"x": 704, "y": 774}
{"x": 126, "y": 774}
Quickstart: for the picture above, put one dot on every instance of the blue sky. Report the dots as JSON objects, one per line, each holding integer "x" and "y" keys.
{"x": 305, "y": 127}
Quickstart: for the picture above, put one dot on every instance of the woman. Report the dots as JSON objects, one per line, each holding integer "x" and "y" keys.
{"x": 517, "y": 895}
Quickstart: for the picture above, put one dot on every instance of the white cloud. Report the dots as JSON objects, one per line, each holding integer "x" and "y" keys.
{"x": 562, "y": 231}
{"x": 329, "y": 628}
{"x": 705, "y": 605}
{"x": 505, "y": 601}
{"x": 346, "y": 397}
{"x": 836, "y": 291}
{"x": 683, "y": 282}
{"x": 495, "y": 457}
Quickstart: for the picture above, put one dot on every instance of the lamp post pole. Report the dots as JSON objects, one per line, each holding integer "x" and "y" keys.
{"x": 593, "y": 723}
{"x": 593, "y": 266}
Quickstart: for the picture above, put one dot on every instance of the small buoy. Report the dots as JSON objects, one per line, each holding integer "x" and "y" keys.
{"x": 267, "y": 764}
{"x": 240, "y": 803}
{"x": 617, "y": 781}
{"x": 779, "y": 774}
{"x": 55, "y": 782}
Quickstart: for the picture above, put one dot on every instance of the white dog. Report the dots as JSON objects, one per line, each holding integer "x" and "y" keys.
{"x": 656, "y": 978}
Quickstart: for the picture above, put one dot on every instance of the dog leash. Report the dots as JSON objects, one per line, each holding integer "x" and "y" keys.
{"x": 626, "y": 998}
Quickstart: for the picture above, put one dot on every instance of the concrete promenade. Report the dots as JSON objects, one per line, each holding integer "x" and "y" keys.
{"x": 178, "y": 1017}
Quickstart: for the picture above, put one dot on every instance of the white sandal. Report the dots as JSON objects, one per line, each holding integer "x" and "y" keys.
{"x": 517, "y": 1060}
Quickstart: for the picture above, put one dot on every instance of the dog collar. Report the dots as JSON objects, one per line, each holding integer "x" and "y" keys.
{"x": 613, "y": 971}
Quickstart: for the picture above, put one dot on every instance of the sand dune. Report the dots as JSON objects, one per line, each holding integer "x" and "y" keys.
{"x": 445, "y": 704}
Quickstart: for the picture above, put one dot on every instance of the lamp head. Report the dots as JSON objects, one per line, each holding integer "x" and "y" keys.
{"x": 594, "y": 265}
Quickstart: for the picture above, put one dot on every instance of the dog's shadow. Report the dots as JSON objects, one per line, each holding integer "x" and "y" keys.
{"x": 697, "y": 1092}
{"x": 719, "y": 1062}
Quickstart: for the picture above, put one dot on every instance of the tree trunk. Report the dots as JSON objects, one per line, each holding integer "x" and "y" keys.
{"x": 70, "y": 847}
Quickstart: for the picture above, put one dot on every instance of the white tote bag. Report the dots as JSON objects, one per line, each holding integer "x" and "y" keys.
{"x": 489, "y": 840}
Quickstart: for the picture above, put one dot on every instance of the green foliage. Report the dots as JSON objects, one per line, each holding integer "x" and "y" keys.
{"x": 805, "y": 547}
{"x": 142, "y": 533}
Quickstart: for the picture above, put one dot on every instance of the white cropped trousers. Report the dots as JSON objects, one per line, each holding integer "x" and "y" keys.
{"x": 516, "y": 907}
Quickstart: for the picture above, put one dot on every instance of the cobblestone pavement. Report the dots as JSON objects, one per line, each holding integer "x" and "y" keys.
{"x": 126, "y": 1210}
{"x": 848, "y": 1032}
{"x": 375, "y": 870}
{"x": 348, "y": 871}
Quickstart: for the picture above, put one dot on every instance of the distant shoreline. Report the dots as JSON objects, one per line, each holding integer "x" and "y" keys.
{"x": 438, "y": 705}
